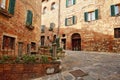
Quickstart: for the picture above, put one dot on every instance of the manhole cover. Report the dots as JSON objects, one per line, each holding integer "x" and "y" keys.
{"x": 78, "y": 73}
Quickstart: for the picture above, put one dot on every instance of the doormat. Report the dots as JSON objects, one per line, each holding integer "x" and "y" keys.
{"x": 78, "y": 73}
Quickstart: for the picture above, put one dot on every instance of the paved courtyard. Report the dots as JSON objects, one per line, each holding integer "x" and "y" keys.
{"x": 81, "y": 65}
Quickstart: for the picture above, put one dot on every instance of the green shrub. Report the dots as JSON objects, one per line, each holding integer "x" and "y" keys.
{"x": 6, "y": 57}
{"x": 29, "y": 59}
{"x": 59, "y": 50}
{"x": 44, "y": 59}
{"x": 17, "y": 60}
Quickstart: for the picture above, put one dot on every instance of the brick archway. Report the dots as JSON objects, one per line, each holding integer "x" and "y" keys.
{"x": 76, "y": 42}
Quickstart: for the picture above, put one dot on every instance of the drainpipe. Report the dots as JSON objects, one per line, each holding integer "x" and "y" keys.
{"x": 58, "y": 29}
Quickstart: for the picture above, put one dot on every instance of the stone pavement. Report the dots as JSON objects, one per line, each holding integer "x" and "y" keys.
{"x": 81, "y": 65}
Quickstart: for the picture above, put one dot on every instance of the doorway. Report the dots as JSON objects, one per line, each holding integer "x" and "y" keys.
{"x": 76, "y": 42}
{"x": 20, "y": 48}
{"x": 64, "y": 43}
{"x": 42, "y": 40}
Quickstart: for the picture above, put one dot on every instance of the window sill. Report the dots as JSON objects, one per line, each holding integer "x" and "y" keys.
{"x": 30, "y": 27}
{"x": 7, "y": 50}
{"x": 71, "y": 24}
{"x": 5, "y": 13}
{"x": 70, "y": 5}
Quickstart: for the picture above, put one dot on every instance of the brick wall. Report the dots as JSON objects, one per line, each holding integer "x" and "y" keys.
{"x": 15, "y": 26}
{"x": 26, "y": 71}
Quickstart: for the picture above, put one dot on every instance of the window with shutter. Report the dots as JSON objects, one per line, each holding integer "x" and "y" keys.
{"x": 115, "y": 10}
{"x": 74, "y": 20}
{"x": 7, "y": 7}
{"x": 70, "y": 21}
{"x": 112, "y": 10}
{"x": 90, "y": 16}
{"x": 65, "y": 21}
{"x": 11, "y": 6}
{"x": 29, "y": 18}
{"x": 70, "y": 2}
{"x": 86, "y": 16}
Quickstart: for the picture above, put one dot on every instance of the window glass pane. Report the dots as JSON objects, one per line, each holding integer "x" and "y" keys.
{"x": 44, "y": 10}
{"x": 3, "y": 4}
{"x": 69, "y": 21}
{"x": 89, "y": 16}
{"x": 70, "y": 2}
{"x": 53, "y": 6}
{"x": 93, "y": 15}
{"x": 8, "y": 43}
{"x": 116, "y": 10}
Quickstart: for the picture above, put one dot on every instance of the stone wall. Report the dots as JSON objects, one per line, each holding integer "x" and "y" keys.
{"x": 97, "y": 35}
{"x": 16, "y": 25}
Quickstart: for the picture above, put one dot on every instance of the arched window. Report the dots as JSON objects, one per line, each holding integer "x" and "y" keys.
{"x": 53, "y": 6}
{"x": 44, "y": 10}
{"x": 29, "y": 18}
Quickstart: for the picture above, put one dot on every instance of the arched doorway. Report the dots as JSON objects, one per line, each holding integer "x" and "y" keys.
{"x": 76, "y": 42}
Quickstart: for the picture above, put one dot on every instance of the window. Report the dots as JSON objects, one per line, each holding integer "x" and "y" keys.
{"x": 117, "y": 32}
{"x": 7, "y": 6}
{"x": 70, "y": 2}
{"x": 3, "y": 4}
{"x": 29, "y": 18}
{"x": 44, "y": 10}
{"x": 70, "y": 21}
{"x": 52, "y": 25}
{"x": 115, "y": 10}
{"x": 8, "y": 43}
{"x": 47, "y": 37}
{"x": 43, "y": 0}
{"x": 63, "y": 35}
{"x": 53, "y": 6}
{"x": 33, "y": 46}
{"x": 90, "y": 16}
{"x": 42, "y": 28}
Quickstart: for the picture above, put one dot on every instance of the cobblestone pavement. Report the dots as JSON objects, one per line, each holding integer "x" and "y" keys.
{"x": 97, "y": 66}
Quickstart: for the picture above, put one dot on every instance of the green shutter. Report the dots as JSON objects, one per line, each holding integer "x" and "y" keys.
{"x": 86, "y": 16}
{"x": 29, "y": 17}
{"x": 96, "y": 14}
{"x": 66, "y": 3}
{"x": 65, "y": 21}
{"x": 74, "y": 1}
{"x": 11, "y": 6}
{"x": 74, "y": 19}
{"x": 112, "y": 10}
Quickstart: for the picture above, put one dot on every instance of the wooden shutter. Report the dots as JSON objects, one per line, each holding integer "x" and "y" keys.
{"x": 66, "y": 3}
{"x": 11, "y": 6}
{"x": 96, "y": 14}
{"x": 29, "y": 17}
{"x": 86, "y": 16}
{"x": 112, "y": 10}
{"x": 74, "y": 1}
{"x": 65, "y": 21}
{"x": 74, "y": 19}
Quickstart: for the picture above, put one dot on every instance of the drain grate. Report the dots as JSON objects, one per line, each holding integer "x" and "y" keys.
{"x": 78, "y": 73}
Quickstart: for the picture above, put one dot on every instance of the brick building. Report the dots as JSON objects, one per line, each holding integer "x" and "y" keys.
{"x": 88, "y": 25}
{"x": 20, "y": 22}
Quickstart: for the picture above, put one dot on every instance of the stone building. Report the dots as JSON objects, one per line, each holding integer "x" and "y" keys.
{"x": 20, "y": 22}
{"x": 88, "y": 25}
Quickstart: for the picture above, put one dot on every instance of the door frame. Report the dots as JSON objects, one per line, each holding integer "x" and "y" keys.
{"x": 76, "y": 42}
